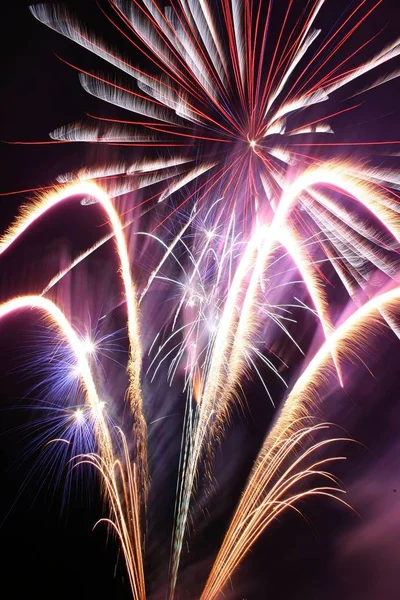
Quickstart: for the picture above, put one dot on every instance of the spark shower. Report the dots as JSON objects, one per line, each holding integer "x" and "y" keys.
{"x": 246, "y": 210}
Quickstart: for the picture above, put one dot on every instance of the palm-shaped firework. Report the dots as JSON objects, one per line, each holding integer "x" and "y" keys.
{"x": 223, "y": 92}
{"x": 232, "y": 148}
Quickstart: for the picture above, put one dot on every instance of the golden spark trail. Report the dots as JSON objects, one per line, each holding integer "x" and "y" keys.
{"x": 304, "y": 392}
{"x": 235, "y": 332}
{"x": 272, "y": 496}
{"x": 32, "y": 213}
{"x": 75, "y": 263}
{"x": 121, "y": 480}
{"x": 278, "y": 232}
{"x": 336, "y": 176}
{"x": 125, "y": 507}
{"x": 257, "y": 506}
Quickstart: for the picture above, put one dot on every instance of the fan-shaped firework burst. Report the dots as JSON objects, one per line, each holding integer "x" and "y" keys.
{"x": 226, "y": 128}
{"x": 224, "y": 92}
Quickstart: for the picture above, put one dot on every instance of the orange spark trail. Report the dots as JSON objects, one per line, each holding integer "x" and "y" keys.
{"x": 32, "y": 213}
{"x": 258, "y": 505}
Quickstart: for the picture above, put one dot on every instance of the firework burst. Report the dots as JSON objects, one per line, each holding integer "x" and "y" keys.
{"x": 224, "y": 93}
{"x": 253, "y": 230}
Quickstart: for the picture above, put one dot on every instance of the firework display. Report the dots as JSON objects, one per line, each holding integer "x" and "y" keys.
{"x": 240, "y": 211}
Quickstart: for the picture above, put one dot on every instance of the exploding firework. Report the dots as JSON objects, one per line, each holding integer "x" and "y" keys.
{"x": 226, "y": 92}
{"x": 212, "y": 373}
{"x": 252, "y": 231}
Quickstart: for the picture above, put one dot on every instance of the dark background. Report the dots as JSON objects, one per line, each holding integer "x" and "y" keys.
{"x": 49, "y": 553}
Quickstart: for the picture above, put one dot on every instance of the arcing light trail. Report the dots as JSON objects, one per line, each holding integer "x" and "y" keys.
{"x": 235, "y": 336}
{"x": 257, "y": 507}
{"x": 254, "y": 217}
{"x": 32, "y": 213}
{"x": 219, "y": 374}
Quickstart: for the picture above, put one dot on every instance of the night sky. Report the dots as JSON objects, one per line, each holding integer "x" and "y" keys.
{"x": 48, "y": 546}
